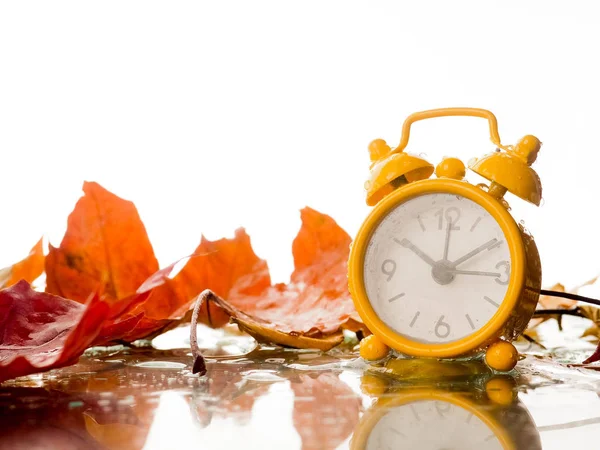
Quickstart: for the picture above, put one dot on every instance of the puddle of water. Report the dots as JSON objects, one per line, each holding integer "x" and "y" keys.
{"x": 263, "y": 398}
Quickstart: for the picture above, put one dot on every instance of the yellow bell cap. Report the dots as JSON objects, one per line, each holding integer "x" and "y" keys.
{"x": 513, "y": 173}
{"x": 385, "y": 174}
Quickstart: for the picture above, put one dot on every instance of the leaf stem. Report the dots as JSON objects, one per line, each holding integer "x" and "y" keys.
{"x": 558, "y": 312}
{"x": 199, "y": 362}
{"x": 579, "y": 298}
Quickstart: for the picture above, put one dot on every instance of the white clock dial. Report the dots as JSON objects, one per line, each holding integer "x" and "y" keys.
{"x": 431, "y": 424}
{"x": 437, "y": 268}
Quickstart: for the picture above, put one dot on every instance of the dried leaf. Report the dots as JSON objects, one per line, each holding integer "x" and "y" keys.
{"x": 267, "y": 332}
{"x": 590, "y": 312}
{"x": 27, "y": 269}
{"x": 105, "y": 250}
{"x": 549, "y": 302}
{"x": 227, "y": 266}
{"x": 316, "y": 302}
{"x": 311, "y": 310}
{"x": 40, "y": 331}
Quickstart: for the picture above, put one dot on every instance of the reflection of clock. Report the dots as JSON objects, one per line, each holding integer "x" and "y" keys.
{"x": 434, "y": 419}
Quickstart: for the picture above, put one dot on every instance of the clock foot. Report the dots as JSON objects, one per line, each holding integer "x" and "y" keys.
{"x": 501, "y": 356}
{"x": 373, "y": 348}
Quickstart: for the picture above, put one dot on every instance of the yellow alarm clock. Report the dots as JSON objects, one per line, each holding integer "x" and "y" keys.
{"x": 439, "y": 268}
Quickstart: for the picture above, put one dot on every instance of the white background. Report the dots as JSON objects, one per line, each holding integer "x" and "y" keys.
{"x": 214, "y": 115}
{"x": 211, "y": 116}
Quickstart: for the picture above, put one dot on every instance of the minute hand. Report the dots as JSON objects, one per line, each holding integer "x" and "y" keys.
{"x": 474, "y": 252}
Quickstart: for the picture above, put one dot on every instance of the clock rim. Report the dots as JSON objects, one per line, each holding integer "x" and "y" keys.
{"x": 379, "y": 410}
{"x": 484, "y": 335}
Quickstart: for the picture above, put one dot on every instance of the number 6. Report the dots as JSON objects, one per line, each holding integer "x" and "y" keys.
{"x": 441, "y": 324}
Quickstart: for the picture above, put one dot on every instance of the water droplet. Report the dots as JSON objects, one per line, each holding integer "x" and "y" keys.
{"x": 160, "y": 365}
{"x": 275, "y": 360}
{"x": 423, "y": 155}
{"x": 542, "y": 202}
{"x": 367, "y": 185}
{"x": 262, "y": 375}
{"x": 471, "y": 161}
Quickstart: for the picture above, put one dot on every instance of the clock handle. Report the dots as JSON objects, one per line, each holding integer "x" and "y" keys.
{"x": 445, "y": 112}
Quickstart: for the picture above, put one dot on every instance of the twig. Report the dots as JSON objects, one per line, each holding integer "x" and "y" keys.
{"x": 199, "y": 362}
{"x": 533, "y": 341}
{"x": 557, "y": 312}
{"x": 579, "y": 298}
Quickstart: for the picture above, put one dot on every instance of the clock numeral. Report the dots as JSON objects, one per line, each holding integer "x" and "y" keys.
{"x": 388, "y": 268}
{"x": 452, "y": 216}
{"x": 442, "y": 329}
{"x": 506, "y": 266}
{"x": 442, "y": 411}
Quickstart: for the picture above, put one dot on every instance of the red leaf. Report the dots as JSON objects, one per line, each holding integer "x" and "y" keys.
{"x": 105, "y": 249}
{"x": 40, "y": 331}
{"x": 27, "y": 269}
{"x": 594, "y": 357}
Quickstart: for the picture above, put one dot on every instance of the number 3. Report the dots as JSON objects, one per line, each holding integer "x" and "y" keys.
{"x": 506, "y": 266}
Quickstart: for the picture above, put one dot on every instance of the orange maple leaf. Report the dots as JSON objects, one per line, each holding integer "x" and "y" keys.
{"x": 105, "y": 250}
{"x": 309, "y": 311}
{"x": 27, "y": 269}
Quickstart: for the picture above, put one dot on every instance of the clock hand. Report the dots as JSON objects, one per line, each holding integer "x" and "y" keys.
{"x": 474, "y": 272}
{"x": 447, "y": 243}
{"x": 474, "y": 252}
{"x": 407, "y": 244}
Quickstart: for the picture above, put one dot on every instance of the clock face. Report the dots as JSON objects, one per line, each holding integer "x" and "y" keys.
{"x": 437, "y": 268}
{"x": 431, "y": 424}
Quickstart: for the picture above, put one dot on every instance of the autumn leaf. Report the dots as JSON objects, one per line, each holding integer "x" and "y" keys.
{"x": 228, "y": 266}
{"x": 316, "y": 302}
{"x": 550, "y": 302}
{"x": 308, "y": 312}
{"x": 27, "y": 269}
{"x": 40, "y": 331}
{"x": 105, "y": 250}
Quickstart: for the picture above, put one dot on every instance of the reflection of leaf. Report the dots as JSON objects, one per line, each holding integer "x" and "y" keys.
{"x": 116, "y": 436}
{"x": 326, "y": 411}
{"x": 27, "y": 269}
{"x": 36, "y": 418}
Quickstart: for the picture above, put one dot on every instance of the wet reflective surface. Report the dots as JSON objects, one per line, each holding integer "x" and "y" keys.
{"x": 263, "y": 398}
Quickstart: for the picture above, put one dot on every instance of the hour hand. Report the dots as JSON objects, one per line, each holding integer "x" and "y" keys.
{"x": 407, "y": 244}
